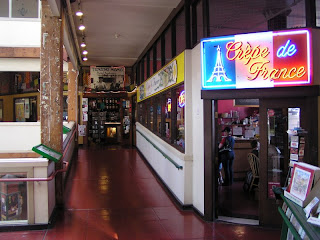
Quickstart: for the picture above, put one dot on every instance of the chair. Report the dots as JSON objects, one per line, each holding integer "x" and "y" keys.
{"x": 254, "y": 165}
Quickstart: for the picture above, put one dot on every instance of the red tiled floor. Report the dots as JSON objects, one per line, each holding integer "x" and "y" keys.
{"x": 112, "y": 194}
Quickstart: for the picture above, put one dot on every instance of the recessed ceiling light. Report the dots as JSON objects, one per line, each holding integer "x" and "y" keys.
{"x": 85, "y": 59}
{"x": 85, "y": 52}
{"x": 81, "y": 27}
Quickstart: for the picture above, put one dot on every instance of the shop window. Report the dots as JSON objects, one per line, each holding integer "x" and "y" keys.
{"x": 65, "y": 108}
{"x": 140, "y": 112}
{"x": 158, "y": 101}
{"x": 180, "y": 96}
{"x": 1, "y": 110}
{"x": 168, "y": 110}
{"x": 151, "y": 114}
{"x": 14, "y": 198}
{"x": 281, "y": 125}
{"x": 145, "y": 114}
{"x": 26, "y": 82}
{"x": 25, "y": 9}
{"x": 4, "y": 10}
{"x": 25, "y": 109}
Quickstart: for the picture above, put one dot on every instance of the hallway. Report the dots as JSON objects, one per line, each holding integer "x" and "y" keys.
{"x": 112, "y": 194}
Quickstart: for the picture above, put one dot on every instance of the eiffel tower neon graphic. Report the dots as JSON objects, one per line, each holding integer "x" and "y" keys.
{"x": 218, "y": 73}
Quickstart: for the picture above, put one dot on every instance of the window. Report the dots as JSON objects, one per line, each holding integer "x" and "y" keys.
{"x": 14, "y": 198}
{"x": 4, "y": 9}
{"x": 19, "y": 8}
{"x": 151, "y": 114}
{"x": 158, "y": 116}
{"x": 164, "y": 115}
{"x": 180, "y": 96}
{"x": 168, "y": 109}
{"x": 25, "y": 109}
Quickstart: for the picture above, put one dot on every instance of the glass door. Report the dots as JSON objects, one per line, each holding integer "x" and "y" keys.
{"x": 278, "y": 118}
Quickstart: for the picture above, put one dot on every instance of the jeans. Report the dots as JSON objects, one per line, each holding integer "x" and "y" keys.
{"x": 227, "y": 162}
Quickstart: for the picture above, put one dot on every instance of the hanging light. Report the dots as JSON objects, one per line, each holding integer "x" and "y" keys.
{"x": 81, "y": 26}
{"x": 83, "y": 43}
{"x": 79, "y": 13}
{"x": 85, "y": 52}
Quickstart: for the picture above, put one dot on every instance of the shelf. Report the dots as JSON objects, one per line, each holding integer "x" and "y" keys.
{"x": 311, "y": 231}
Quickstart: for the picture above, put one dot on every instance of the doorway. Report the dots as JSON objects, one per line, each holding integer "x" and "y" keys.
{"x": 271, "y": 124}
{"x": 238, "y": 200}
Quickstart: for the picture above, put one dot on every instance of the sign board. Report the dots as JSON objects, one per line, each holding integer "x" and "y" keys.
{"x": 47, "y": 152}
{"x": 170, "y": 75}
{"x": 256, "y": 60}
{"x": 107, "y": 78}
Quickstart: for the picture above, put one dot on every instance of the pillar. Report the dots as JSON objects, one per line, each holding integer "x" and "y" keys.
{"x": 51, "y": 88}
{"x": 72, "y": 93}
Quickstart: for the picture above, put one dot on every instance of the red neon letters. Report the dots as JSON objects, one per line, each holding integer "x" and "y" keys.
{"x": 256, "y": 59}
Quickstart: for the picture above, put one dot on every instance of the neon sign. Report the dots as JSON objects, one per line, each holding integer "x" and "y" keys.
{"x": 182, "y": 100}
{"x": 257, "y": 60}
{"x": 169, "y": 105}
{"x": 287, "y": 50}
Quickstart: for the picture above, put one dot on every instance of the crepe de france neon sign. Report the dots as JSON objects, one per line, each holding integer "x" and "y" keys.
{"x": 259, "y": 68}
{"x": 182, "y": 99}
{"x": 258, "y": 60}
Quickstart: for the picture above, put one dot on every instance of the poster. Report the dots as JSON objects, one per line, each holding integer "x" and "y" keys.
{"x": 82, "y": 130}
{"x": 19, "y": 106}
{"x": 26, "y": 108}
{"x": 107, "y": 78}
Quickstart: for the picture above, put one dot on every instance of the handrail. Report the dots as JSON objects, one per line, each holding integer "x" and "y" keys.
{"x": 165, "y": 155}
{"x": 43, "y": 179}
{"x": 36, "y": 179}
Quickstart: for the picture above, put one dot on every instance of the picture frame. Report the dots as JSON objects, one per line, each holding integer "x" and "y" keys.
{"x": 301, "y": 180}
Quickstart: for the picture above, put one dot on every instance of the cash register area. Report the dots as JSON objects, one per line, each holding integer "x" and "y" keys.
{"x": 120, "y": 197}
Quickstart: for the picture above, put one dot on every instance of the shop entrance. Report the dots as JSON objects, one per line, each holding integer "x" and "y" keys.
{"x": 237, "y": 199}
{"x": 270, "y": 124}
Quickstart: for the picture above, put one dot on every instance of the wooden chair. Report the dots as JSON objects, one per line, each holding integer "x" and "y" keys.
{"x": 254, "y": 165}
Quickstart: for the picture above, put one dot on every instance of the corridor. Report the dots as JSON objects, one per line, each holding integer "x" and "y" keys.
{"x": 111, "y": 193}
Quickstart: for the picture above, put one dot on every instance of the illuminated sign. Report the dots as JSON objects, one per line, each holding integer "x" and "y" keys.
{"x": 257, "y": 60}
{"x": 182, "y": 100}
{"x": 169, "y": 105}
{"x": 170, "y": 75}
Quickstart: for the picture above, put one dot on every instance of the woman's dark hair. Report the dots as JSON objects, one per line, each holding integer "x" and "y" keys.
{"x": 254, "y": 143}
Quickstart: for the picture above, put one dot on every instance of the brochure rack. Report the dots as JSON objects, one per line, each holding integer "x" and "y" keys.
{"x": 295, "y": 221}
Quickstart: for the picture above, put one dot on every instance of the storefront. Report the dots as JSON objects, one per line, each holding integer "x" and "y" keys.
{"x": 107, "y": 107}
{"x": 261, "y": 85}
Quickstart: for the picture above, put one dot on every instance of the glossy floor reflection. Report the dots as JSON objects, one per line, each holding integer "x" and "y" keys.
{"x": 112, "y": 194}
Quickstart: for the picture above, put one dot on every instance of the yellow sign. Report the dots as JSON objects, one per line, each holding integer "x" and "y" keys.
{"x": 170, "y": 75}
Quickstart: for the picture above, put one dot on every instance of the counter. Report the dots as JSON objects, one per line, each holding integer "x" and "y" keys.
{"x": 241, "y": 165}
